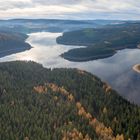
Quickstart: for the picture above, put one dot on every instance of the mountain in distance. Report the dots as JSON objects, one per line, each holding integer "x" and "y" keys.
{"x": 51, "y": 25}
{"x": 38, "y": 103}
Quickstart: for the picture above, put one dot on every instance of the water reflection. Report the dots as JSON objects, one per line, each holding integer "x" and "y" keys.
{"x": 116, "y": 70}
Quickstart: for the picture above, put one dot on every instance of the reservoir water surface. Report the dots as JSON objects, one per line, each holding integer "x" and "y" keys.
{"x": 116, "y": 70}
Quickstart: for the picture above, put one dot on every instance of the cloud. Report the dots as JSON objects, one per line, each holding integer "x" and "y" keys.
{"x": 57, "y": 2}
{"x": 77, "y": 9}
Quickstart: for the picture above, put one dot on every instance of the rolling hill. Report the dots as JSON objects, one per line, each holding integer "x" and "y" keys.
{"x": 12, "y": 42}
{"x": 62, "y": 104}
{"x": 100, "y": 42}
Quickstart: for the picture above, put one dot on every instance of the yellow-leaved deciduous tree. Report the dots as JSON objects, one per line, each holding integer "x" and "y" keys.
{"x": 55, "y": 98}
{"x": 88, "y": 116}
{"x": 78, "y": 105}
{"x": 105, "y": 110}
{"x": 75, "y": 135}
{"x": 120, "y": 137}
{"x": 70, "y": 97}
{"x": 40, "y": 89}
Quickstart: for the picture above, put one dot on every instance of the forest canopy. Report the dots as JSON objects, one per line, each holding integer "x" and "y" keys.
{"x": 60, "y": 104}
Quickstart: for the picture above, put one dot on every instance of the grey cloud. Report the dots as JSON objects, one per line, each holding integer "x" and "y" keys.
{"x": 78, "y": 9}
{"x": 55, "y": 2}
{"x": 11, "y": 4}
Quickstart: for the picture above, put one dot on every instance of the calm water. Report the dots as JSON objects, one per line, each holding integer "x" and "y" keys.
{"x": 116, "y": 70}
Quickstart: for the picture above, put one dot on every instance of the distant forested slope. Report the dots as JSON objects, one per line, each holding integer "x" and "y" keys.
{"x": 12, "y": 42}
{"x": 51, "y": 25}
{"x": 101, "y": 42}
{"x": 62, "y": 104}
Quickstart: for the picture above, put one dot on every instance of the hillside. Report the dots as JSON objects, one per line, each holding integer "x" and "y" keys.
{"x": 101, "y": 42}
{"x": 11, "y": 42}
{"x": 61, "y": 104}
{"x": 51, "y": 25}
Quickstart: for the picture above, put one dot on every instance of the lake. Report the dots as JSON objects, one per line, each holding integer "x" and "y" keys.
{"x": 115, "y": 70}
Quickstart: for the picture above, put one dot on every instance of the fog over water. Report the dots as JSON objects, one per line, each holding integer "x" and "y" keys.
{"x": 115, "y": 70}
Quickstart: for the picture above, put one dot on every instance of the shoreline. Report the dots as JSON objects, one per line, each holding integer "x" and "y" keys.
{"x": 86, "y": 59}
{"x": 136, "y": 68}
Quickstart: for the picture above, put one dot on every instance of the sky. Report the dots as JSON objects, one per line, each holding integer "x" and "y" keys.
{"x": 70, "y": 9}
